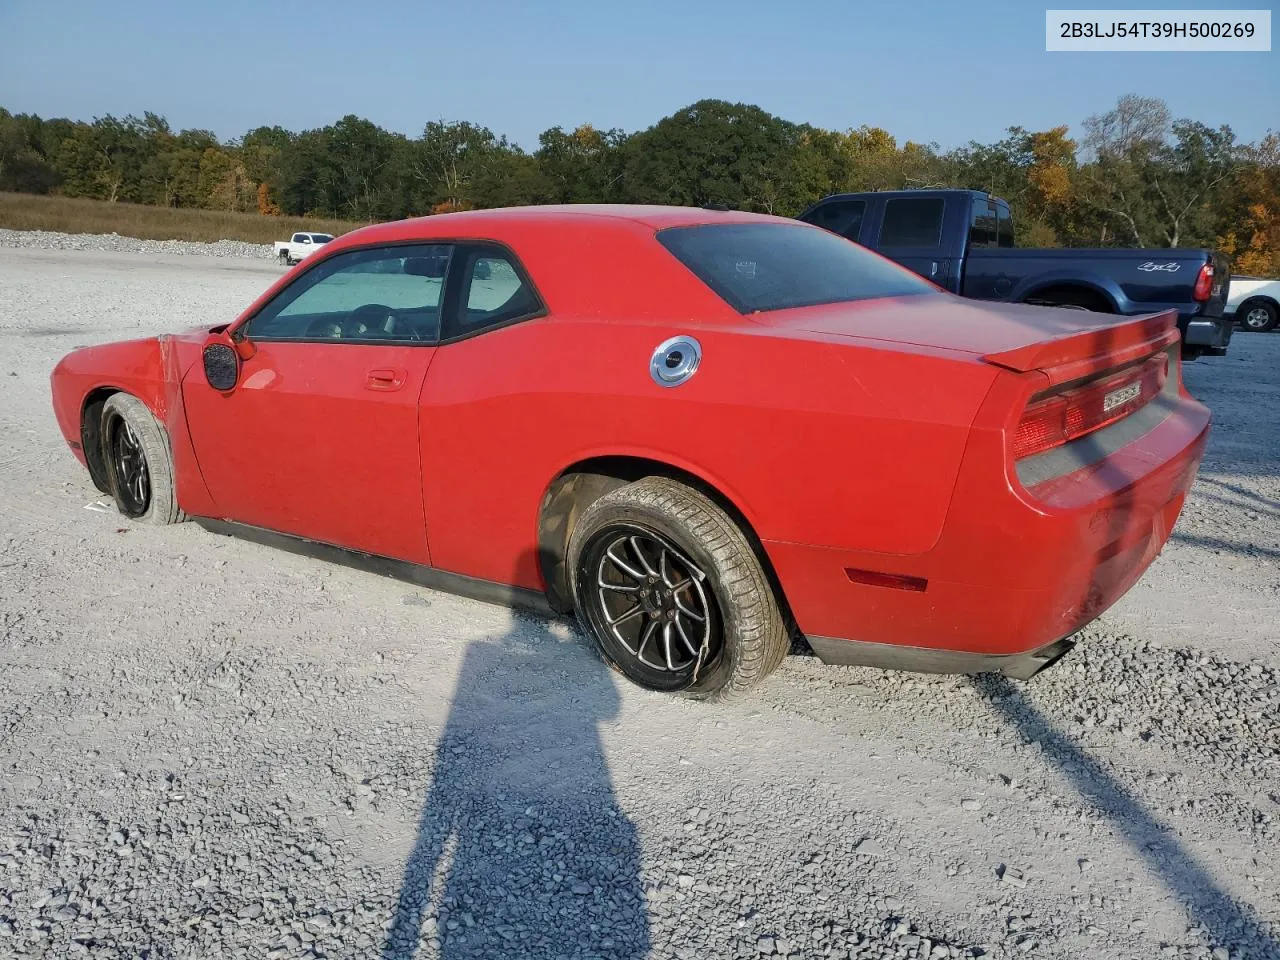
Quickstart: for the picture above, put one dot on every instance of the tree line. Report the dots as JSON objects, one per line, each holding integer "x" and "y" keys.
{"x": 1134, "y": 176}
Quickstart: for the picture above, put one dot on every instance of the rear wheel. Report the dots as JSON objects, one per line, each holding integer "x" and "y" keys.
{"x": 1258, "y": 316}
{"x": 139, "y": 466}
{"x": 672, "y": 593}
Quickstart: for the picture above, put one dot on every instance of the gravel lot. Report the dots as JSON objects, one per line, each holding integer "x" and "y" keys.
{"x": 212, "y": 749}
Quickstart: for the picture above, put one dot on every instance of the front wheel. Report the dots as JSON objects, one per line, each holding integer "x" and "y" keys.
{"x": 1258, "y": 316}
{"x": 139, "y": 466}
{"x": 672, "y": 593}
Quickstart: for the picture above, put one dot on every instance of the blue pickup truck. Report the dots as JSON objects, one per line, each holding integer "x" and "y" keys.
{"x": 962, "y": 240}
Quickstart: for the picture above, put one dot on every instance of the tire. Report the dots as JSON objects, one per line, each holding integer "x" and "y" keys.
{"x": 284, "y": 258}
{"x": 658, "y": 526}
{"x": 138, "y": 462}
{"x": 1257, "y": 316}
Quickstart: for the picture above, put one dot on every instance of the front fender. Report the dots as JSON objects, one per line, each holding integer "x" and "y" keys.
{"x": 150, "y": 369}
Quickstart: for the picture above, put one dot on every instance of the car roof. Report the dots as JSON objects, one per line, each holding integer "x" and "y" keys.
{"x": 481, "y": 223}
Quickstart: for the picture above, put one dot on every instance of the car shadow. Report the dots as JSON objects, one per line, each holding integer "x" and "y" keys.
{"x": 1243, "y": 492}
{"x": 1228, "y": 923}
{"x": 522, "y": 849}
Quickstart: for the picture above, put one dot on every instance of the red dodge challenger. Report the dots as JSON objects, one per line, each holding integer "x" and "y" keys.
{"x": 700, "y": 431}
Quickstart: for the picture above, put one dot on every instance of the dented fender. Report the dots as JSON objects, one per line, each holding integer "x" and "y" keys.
{"x": 151, "y": 369}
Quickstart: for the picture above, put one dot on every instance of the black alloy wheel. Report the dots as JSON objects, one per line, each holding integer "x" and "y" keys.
{"x": 128, "y": 465}
{"x": 653, "y": 610}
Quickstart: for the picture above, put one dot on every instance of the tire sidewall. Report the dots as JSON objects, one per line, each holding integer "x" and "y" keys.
{"x": 1271, "y": 316}
{"x": 604, "y": 514}
{"x": 163, "y": 507}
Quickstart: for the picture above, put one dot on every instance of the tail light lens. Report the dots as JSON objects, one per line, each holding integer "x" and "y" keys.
{"x": 1066, "y": 416}
{"x": 1204, "y": 283}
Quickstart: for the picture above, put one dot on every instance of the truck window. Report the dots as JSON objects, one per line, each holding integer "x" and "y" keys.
{"x": 298, "y": 237}
{"x": 1004, "y": 225}
{"x": 912, "y": 222}
{"x": 843, "y": 217}
{"x": 982, "y": 228}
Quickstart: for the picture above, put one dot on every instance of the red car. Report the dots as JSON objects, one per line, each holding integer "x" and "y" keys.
{"x": 702, "y": 431}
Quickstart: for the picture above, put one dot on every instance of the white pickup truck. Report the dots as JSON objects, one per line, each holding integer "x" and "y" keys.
{"x": 1254, "y": 302}
{"x": 300, "y": 246}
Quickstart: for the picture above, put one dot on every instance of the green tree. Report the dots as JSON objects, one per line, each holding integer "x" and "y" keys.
{"x": 23, "y": 165}
{"x": 582, "y": 166}
{"x": 714, "y": 152}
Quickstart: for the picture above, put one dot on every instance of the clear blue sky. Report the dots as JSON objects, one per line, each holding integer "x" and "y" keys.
{"x": 938, "y": 70}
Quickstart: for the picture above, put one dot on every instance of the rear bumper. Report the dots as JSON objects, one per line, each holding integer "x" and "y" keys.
{"x": 1015, "y": 570}
{"x": 889, "y": 656}
{"x": 1206, "y": 335}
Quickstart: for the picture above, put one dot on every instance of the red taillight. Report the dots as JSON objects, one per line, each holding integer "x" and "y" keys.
{"x": 1065, "y": 416}
{"x": 1204, "y": 283}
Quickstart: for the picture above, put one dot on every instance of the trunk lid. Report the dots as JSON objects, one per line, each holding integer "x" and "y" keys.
{"x": 1066, "y": 344}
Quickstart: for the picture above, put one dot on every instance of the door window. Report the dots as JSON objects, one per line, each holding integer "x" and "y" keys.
{"x": 363, "y": 296}
{"x": 494, "y": 291}
{"x": 912, "y": 222}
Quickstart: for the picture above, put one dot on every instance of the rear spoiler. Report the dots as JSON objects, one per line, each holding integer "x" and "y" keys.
{"x": 1113, "y": 343}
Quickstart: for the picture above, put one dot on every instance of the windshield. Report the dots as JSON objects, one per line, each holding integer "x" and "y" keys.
{"x": 772, "y": 266}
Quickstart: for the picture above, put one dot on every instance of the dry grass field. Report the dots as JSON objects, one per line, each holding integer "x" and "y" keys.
{"x": 21, "y": 211}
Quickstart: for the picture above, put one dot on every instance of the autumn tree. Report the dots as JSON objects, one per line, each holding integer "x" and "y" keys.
{"x": 1249, "y": 223}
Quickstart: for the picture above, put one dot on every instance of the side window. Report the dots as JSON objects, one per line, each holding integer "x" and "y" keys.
{"x": 843, "y": 217}
{"x": 912, "y": 222}
{"x": 386, "y": 294}
{"x": 298, "y": 238}
{"x": 1004, "y": 225}
{"x": 982, "y": 231}
{"x": 493, "y": 290}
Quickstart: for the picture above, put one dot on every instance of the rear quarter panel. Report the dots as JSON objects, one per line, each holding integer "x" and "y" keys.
{"x": 1135, "y": 281}
{"x": 815, "y": 442}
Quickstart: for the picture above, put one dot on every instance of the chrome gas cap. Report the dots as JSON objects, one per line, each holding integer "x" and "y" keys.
{"x": 675, "y": 361}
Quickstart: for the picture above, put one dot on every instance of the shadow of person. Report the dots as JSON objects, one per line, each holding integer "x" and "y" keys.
{"x": 522, "y": 850}
{"x": 1230, "y": 922}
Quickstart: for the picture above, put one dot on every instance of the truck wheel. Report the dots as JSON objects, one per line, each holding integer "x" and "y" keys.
{"x": 284, "y": 258}
{"x": 671, "y": 591}
{"x": 1257, "y": 315}
{"x": 139, "y": 465}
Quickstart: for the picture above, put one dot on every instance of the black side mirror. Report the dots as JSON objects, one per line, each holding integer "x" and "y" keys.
{"x": 221, "y": 366}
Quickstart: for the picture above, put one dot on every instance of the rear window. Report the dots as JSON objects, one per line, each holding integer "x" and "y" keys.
{"x": 772, "y": 266}
{"x": 912, "y": 222}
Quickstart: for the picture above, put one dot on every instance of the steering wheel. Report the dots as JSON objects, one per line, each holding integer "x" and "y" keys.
{"x": 372, "y": 319}
{"x": 377, "y": 321}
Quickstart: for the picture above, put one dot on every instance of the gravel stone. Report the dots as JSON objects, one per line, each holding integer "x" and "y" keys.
{"x": 214, "y": 749}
